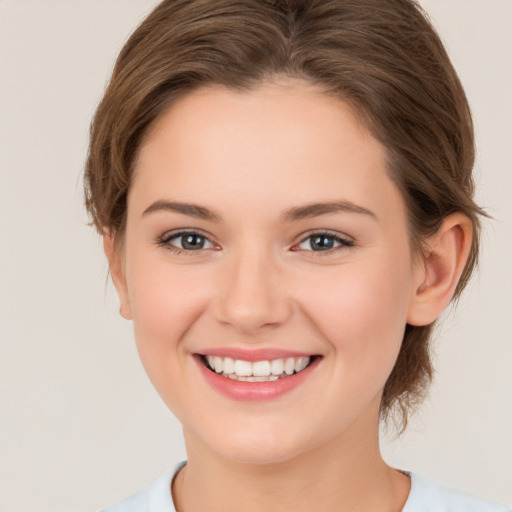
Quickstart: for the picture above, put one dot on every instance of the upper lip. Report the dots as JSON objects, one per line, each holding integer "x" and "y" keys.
{"x": 261, "y": 354}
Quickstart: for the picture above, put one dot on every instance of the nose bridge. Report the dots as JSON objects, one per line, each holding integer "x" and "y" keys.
{"x": 251, "y": 294}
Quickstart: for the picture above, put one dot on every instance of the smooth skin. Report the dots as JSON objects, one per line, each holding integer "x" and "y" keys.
{"x": 252, "y": 277}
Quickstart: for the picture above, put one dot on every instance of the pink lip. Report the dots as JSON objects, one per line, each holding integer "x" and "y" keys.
{"x": 262, "y": 354}
{"x": 252, "y": 391}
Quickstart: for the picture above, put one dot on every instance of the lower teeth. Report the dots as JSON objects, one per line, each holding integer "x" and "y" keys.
{"x": 254, "y": 378}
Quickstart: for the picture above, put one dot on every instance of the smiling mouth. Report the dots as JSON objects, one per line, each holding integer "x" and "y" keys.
{"x": 257, "y": 371}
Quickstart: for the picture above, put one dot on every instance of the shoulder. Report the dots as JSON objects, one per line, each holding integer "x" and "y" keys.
{"x": 155, "y": 498}
{"x": 426, "y": 496}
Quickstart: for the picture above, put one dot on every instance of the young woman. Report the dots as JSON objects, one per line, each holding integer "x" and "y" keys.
{"x": 284, "y": 191}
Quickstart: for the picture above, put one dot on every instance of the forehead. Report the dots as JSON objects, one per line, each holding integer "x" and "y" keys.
{"x": 285, "y": 113}
{"x": 284, "y": 143}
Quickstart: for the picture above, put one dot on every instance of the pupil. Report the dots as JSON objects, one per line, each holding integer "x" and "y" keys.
{"x": 322, "y": 243}
{"x": 192, "y": 242}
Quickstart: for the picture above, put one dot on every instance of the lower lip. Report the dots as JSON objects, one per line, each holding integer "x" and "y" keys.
{"x": 251, "y": 391}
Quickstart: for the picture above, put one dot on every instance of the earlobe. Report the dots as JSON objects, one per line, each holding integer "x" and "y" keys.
{"x": 117, "y": 273}
{"x": 448, "y": 252}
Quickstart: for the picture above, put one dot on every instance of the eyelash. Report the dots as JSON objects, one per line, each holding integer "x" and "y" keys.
{"x": 165, "y": 239}
{"x": 344, "y": 242}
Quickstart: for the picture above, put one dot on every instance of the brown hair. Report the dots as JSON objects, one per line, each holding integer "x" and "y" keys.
{"x": 381, "y": 56}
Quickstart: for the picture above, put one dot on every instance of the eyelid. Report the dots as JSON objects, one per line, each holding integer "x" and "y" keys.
{"x": 165, "y": 239}
{"x": 344, "y": 240}
{"x": 173, "y": 233}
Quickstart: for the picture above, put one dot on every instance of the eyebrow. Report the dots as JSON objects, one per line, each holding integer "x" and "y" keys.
{"x": 293, "y": 214}
{"x": 192, "y": 210}
{"x": 316, "y": 209}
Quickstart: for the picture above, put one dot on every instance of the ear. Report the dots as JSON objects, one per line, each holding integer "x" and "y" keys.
{"x": 438, "y": 274}
{"x": 116, "y": 266}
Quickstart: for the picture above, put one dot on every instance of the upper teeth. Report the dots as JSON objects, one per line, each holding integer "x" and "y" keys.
{"x": 242, "y": 368}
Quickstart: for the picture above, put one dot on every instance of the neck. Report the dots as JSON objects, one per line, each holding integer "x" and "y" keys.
{"x": 343, "y": 474}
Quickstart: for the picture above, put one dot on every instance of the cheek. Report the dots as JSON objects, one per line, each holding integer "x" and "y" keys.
{"x": 165, "y": 302}
{"x": 361, "y": 309}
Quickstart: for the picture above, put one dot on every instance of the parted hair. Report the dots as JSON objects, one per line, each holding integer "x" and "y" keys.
{"x": 383, "y": 57}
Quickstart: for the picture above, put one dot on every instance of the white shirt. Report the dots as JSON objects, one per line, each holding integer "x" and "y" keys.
{"x": 425, "y": 496}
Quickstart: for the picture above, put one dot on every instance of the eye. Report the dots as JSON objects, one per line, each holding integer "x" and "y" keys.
{"x": 323, "y": 242}
{"x": 185, "y": 241}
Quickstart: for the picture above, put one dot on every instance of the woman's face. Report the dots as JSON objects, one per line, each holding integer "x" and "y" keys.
{"x": 262, "y": 227}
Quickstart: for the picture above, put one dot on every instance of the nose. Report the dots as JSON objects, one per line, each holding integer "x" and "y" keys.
{"x": 251, "y": 294}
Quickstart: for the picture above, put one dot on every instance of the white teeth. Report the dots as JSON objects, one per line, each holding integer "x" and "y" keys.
{"x": 233, "y": 376}
{"x": 243, "y": 368}
{"x": 217, "y": 364}
{"x": 301, "y": 363}
{"x": 289, "y": 366}
{"x": 261, "y": 368}
{"x": 228, "y": 365}
{"x": 277, "y": 367}
{"x": 259, "y": 371}
{"x": 261, "y": 379}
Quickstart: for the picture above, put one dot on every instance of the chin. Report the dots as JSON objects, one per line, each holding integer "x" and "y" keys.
{"x": 262, "y": 447}
{"x": 259, "y": 454}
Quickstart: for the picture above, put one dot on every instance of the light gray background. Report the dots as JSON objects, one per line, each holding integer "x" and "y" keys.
{"x": 81, "y": 426}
